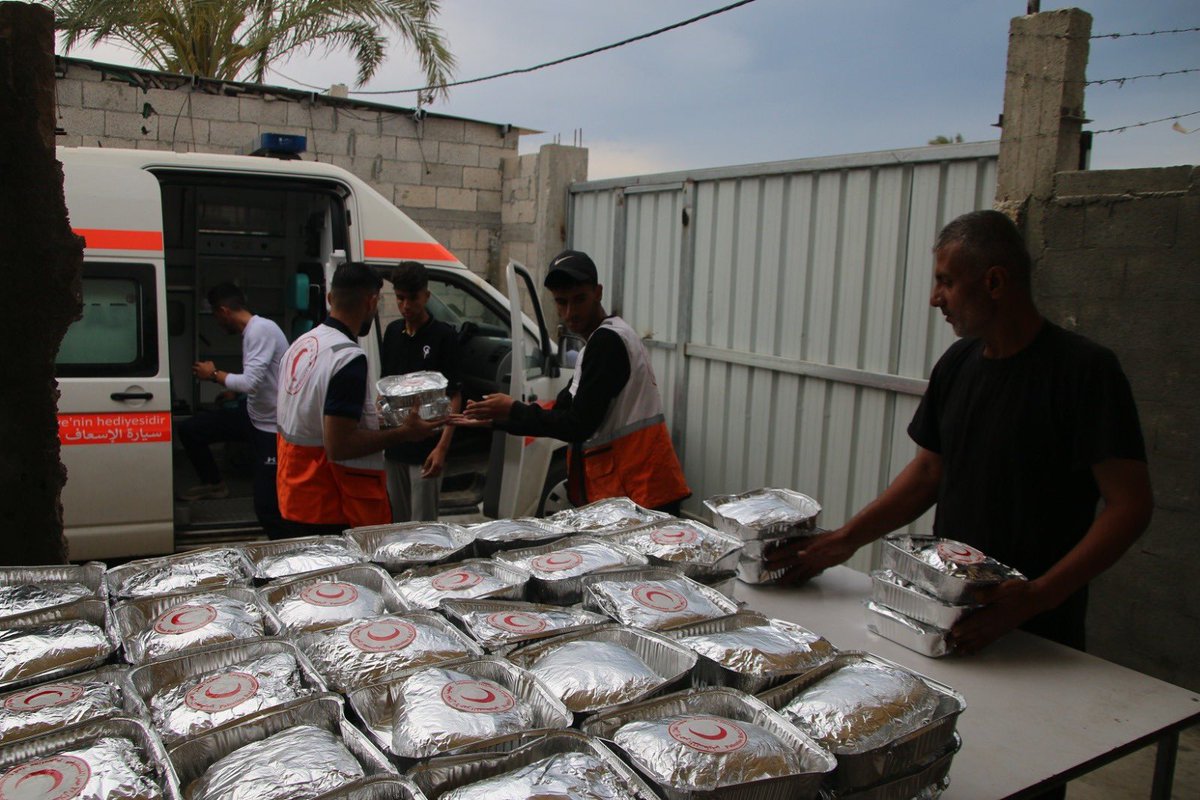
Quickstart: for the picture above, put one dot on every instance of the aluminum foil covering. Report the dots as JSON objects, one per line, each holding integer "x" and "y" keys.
{"x": 612, "y": 514}
{"x": 925, "y": 782}
{"x": 27, "y": 589}
{"x": 378, "y": 787}
{"x": 567, "y": 775}
{"x": 400, "y": 546}
{"x": 441, "y": 709}
{"x": 296, "y": 764}
{"x": 220, "y": 696}
{"x": 759, "y": 649}
{"x": 58, "y": 647}
{"x": 949, "y": 570}
{"x": 507, "y": 534}
{"x": 284, "y": 558}
{"x": 592, "y": 674}
{"x": 498, "y": 624}
{"x": 466, "y": 580}
{"x": 327, "y": 603}
{"x": 764, "y": 513}
{"x": 398, "y": 393}
{"x": 47, "y": 706}
{"x": 22, "y": 598}
{"x": 200, "y": 569}
{"x": 889, "y": 589}
{"x": 651, "y": 598}
{"x": 110, "y": 768}
{"x": 557, "y": 567}
{"x": 364, "y": 651}
{"x": 863, "y": 705}
{"x": 917, "y": 636}
{"x": 692, "y": 546}
{"x": 754, "y": 571}
{"x": 189, "y": 621}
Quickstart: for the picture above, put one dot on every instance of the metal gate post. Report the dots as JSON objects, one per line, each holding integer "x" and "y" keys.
{"x": 683, "y": 331}
{"x": 620, "y": 208}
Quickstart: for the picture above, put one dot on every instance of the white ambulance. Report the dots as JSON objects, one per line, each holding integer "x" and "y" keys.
{"x": 160, "y": 230}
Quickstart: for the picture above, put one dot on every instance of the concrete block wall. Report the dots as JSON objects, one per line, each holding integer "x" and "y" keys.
{"x": 445, "y": 173}
{"x": 1118, "y": 259}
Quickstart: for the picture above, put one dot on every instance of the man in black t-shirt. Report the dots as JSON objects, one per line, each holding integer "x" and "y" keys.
{"x": 1023, "y": 428}
{"x": 417, "y": 342}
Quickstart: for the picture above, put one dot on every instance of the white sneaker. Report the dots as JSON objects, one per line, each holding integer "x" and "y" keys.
{"x": 205, "y": 491}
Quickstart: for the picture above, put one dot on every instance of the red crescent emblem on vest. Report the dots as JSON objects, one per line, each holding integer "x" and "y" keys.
{"x": 303, "y": 359}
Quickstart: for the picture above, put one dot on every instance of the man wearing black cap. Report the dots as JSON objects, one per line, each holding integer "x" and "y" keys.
{"x": 610, "y": 412}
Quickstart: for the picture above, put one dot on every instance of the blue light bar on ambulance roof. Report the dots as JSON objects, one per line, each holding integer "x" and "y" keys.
{"x": 282, "y": 145}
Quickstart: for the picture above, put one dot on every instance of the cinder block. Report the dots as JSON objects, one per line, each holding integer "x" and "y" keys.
{"x": 442, "y": 175}
{"x": 371, "y": 145}
{"x": 80, "y": 72}
{"x": 451, "y": 199}
{"x": 400, "y": 124}
{"x": 416, "y": 196}
{"x": 400, "y": 172}
{"x": 1122, "y": 181}
{"x": 110, "y": 96}
{"x": 488, "y": 201}
{"x": 416, "y": 150}
{"x": 443, "y": 130}
{"x": 358, "y": 120}
{"x": 1163, "y": 275}
{"x": 307, "y": 115}
{"x": 68, "y": 141}
{"x": 1062, "y": 226}
{"x": 185, "y": 129}
{"x": 153, "y": 144}
{"x": 510, "y": 167}
{"x": 328, "y": 142}
{"x": 68, "y": 92}
{"x": 264, "y": 112}
{"x": 462, "y": 239}
{"x": 345, "y": 162}
{"x": 129, "y": 126}
{"x": 166, "y": 102}
{"x": 1146, "y": 222}
{"x": 481, "y": 178}
{"x": 464, "y": 155}
{"x": 217, "y": 107}
{"x": 239, "y": 135}
{"x": 484, "y": 133}
{"x": 114, "y": 142}
{"x": 491, "y": 156}
{"x": 81, "y": 121}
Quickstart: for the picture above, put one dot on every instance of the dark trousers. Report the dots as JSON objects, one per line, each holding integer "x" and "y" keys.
{"x": 206, "y": 428}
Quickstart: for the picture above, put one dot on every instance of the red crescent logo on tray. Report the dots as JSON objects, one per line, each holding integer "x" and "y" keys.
{"x": 659, "y": 598}
{"x": 40, "y": 697}
{"x": 221, "y": 692}
{"x": 959, "y": 553}
{"x": 303, "y": 359}
{"x": 59, "y": 777}
{"x": 674, "y": 536}
{"x": 708, "y": 734}
{"x": 185, "y": 619}
{"x": 477, "y": 697}
{"x": 329, "y": 593}
{"x": 383, "y": 635}
{"x": 455, "y": 579}
{"x": 557, "y": 562}
{"x": 517, "y": 622}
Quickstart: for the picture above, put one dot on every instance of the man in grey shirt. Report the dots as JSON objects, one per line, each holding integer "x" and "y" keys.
{"x": 253, "y": 420}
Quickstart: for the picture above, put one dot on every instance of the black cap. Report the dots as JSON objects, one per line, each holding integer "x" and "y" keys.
{"x": 569, "y": 268}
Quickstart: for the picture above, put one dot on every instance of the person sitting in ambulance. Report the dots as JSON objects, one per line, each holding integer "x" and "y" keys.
{"x": 331, "y": 474}
{"x": 611, "y": 412}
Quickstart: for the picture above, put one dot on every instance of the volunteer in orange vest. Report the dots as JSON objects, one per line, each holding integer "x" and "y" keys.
{"x": 330, "y": 473}
{"x": 610, "y": 412}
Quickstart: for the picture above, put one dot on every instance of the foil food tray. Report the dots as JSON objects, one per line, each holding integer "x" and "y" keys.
{"x": 332, "y": 605}
{"x": 756, "y": 572}
{"x": 858, "y": 768}
{"x": 709, "y": 672}
{"x": 764, "y": 513}
{"x": 193, "y": 757}
{"x": 439, "y": 776}
{"x": 327, "y": 649}
{"x": 900, "y": 555}
{"x": 605, "y": 516}
{"x": 399, "y": 546}
{"x": 89, "y": 575}
{"x": 134, "y": 616}
{"x": 377, "y": 787}
{"x": 77, "y": 736}
{"x": 377, "y": 705}
{"x": 511, "y": 534}
{"x": 22, "y": 671}
{"x": 889, "y": 589}
{"x": 286, "y": 558}
{"x": 392, "y": 415}
{"x": 736, "y": 706}
{"x": 423, "y": 386}
{"x": 654, "y": 606}
{"x": 917, "y": 636}
{"x": 207, "y": 568}
{"x": 693, "y": 548}
{"x": 466, "y": 580}
{"x": 44, "y": 707}
{"x": 928, "y": 780}
{"x": 557, "y": 569}
{"x": 671, "y": 661}
{"x": 501, "y": 625}
{"x": 144, "y": 683}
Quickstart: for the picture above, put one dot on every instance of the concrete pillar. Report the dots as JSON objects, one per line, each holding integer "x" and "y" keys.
{"x": 1043, "y": 104}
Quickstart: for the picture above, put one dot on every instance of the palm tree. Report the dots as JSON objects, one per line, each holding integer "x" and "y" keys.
{"x": 228, "y": 39}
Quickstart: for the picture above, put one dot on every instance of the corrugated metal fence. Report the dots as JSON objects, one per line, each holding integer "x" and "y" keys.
{"x": 785, "y": 306}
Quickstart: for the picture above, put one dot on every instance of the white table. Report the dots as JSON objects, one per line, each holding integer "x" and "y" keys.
{"x": 1038, "y": 714}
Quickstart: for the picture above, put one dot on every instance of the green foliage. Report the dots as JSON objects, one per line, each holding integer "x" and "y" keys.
{"x": 946, "y": 139}
{"x": 240, "y": 39}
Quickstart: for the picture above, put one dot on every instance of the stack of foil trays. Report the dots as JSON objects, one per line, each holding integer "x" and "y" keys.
{"x": 889, "y": 727}
{"x": 397, "y": 394}
{"x": 693, "y": 548}
{"x": 924, "y": 586}
{"x": 763, "y": 519}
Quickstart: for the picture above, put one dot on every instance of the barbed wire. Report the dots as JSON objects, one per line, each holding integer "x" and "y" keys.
{"x": 1100, "y": 81}
{"x": 1143, "y": 33}
{"x": 1124, "y": 128}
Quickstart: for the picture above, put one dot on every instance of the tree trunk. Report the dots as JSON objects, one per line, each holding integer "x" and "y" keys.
{"x": 40, "y": 264}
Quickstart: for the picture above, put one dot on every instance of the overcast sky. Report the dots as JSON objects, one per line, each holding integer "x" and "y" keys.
{"x": 782, "y": 79}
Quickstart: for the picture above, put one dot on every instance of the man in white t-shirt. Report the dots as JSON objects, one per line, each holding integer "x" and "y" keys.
{"x": 253, "y": 420}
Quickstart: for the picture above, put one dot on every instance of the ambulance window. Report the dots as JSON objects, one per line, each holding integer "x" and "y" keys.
{"x": 116, "y": 335}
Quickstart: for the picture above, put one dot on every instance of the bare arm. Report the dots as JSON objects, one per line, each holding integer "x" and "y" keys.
{"x": 345, "y": 440}
{"x": 435, "y": 462}
{"x": 1128, "y": 504}
{"x": 909, "y": 496}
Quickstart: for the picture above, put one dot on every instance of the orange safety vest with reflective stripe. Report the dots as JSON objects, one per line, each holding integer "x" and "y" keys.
{"x": 630, "y": 454}
{"x": 313, "y": 489}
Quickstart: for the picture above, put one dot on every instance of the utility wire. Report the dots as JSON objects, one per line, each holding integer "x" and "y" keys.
{"x": 563, "y": 60}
